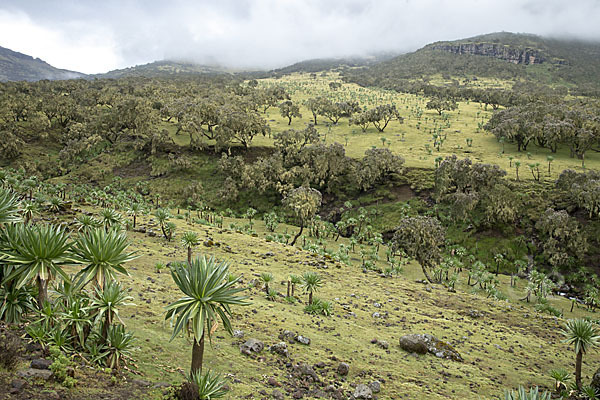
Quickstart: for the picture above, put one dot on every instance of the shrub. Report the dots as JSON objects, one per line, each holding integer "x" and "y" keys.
{"x": 61, "y": 367}
{"x": 319, "y": 307}
{"x": 522, "y": 394}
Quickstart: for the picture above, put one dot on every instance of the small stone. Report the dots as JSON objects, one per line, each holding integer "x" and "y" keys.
{"x": 303, "y": 340}
{"x": 140, "y": 382}
{"x": 277, "y": 395}
{"x": 273, "y": 382}
{"x": 375, "y": 386}
{"x": 383, "y": 344}
{"x": 280, "y": 348}
{"x": 238, "y": 334}
{"x": 41, "y": 363}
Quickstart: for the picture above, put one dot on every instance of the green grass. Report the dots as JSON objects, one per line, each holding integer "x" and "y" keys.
{"x": 510, "y": 345}
{"x": 410, "y": 138}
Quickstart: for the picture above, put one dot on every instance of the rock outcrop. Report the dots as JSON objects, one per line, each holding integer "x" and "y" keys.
{"x": 515, "y": 55}
{"x": 422, "y": 343}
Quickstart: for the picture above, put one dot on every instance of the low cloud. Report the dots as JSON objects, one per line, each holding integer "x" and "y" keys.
{"x": 95, "y": 37}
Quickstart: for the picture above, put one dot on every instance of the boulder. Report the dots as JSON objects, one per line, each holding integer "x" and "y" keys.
{"x": 41, "y": 363}
{"x": 303, "y": 340}
{"x": 424, "y": 343}
{"x": 363, "y": 392}
{"x": 280, "y": 348}
{"x": 375, "y": 386}
{"x": 35, "y": 373}
{"x": 413, "y": 343}
{"x": 343, "y": 369}
{"x": 252, "y": 346}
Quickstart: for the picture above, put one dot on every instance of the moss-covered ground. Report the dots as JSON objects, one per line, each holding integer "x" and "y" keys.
{"x": 507, "y": 345}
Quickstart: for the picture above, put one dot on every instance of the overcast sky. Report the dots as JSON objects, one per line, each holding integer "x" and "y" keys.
{"x": 94, "y": 36}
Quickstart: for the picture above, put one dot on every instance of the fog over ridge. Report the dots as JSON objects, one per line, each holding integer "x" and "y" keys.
{"x": 95, "y": 37}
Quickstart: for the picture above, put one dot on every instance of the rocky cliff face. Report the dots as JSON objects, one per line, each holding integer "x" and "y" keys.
{"x": 514, "y": 55}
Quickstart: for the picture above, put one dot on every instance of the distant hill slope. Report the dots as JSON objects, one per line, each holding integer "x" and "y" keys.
{"x": 16, "y": 66}
{"x": 162, "y": 69}
{"x": 325, "y": 64}
{"x": 499, "y": 55}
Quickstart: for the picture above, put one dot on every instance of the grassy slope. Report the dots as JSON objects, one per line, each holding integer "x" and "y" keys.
{"x": 463, "y": 124}
{"x": 510, "y": 345}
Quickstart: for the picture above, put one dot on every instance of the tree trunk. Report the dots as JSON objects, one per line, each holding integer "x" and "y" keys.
{"x": 578, "y": 369}
{"x": 298, "y": 234}
{"x": 288, "y": 288}
{"x": 197, "y": 355}
{"x": 134, "y": 220}
{"x": 310, "y": 298}
{"x": 189, "y": 254}
{"x": 426, "y": 273}
{"x": 42, "y": 291}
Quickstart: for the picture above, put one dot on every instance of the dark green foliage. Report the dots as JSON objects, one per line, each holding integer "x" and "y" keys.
{"x": 421, "y": 238}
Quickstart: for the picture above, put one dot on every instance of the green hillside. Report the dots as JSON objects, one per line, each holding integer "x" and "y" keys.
{"x": 164, "y": 68}
{"x": 574, "y": 64}
{"x": 16, "y": 66}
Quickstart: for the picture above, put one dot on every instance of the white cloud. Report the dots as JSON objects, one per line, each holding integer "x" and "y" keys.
{"x": 97, "y": 36}
{"x": 67, "y": 45}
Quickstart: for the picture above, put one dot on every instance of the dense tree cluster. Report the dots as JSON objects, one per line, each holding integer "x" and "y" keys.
{"x": 467, "y": 186}
{"x": 379, "y": 116}
{"x": 575, "y": 124}
{"x": 322, "y": 106}
{"x": 88, "y": 117}
{"x": 301, "y": 159}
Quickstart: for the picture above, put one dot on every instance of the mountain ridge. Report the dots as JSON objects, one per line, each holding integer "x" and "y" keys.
{"x": 15, "y": 66}
{"x": 511, "y": 56}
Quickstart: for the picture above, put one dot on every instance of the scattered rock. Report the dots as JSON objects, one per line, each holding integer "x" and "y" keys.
{"x": 423, "y": 343}
{"x": 277, "y": 395}
{"x": 306, "y": 370}
{"x": 475, "y": 314}
{"x": 413, "y": 344}
{"x": 280, "y": 348}
{"x": 303, "y": 340}
{"x": 41, "y": 363}
{"x": 273, "y": 382}
{"x": 17, "y": 385}
{"x": 238, "y": 334}
{"x": 288, "y": 335}
{"x": 375, "y": 386}
{"x": 140, "y": 382}
{"x": 363, "y": 392}
{"x": 343, "y": 369}
{"x": 35, "y": 373}
{"x": 252, "y": 346}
